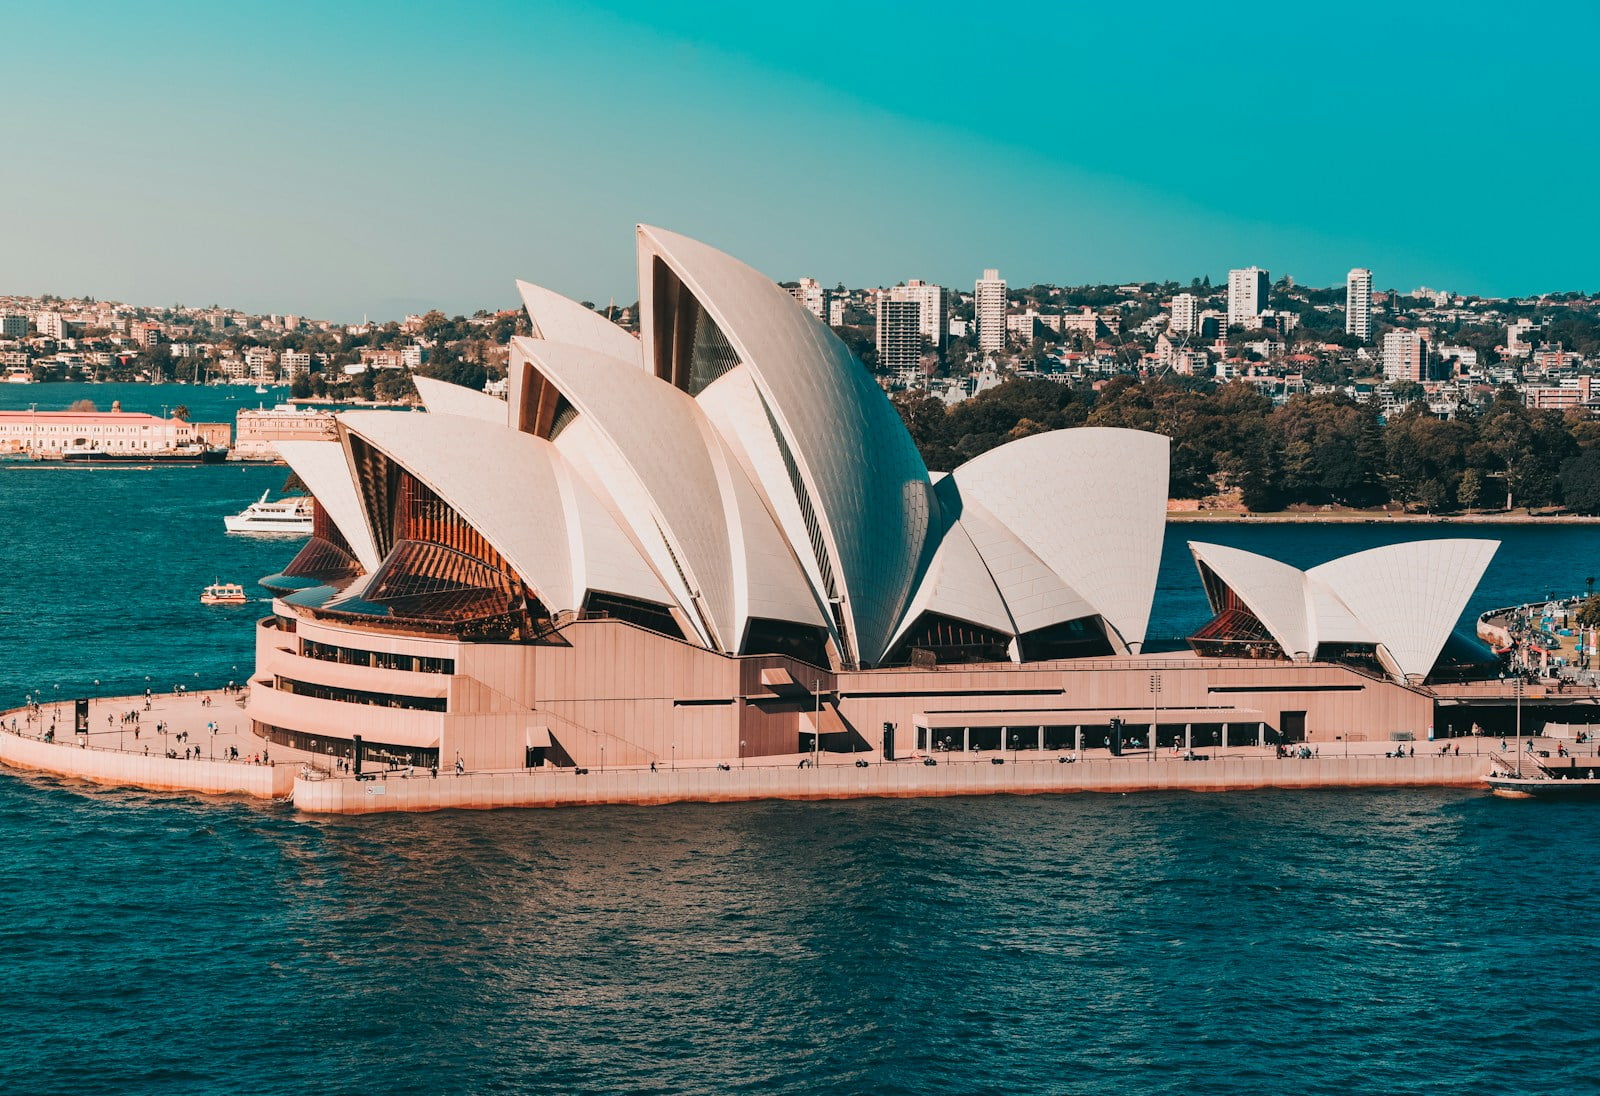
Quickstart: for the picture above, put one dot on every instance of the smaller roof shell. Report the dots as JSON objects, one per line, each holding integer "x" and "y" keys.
{"x": 1405, "y": 598}
{"x": 1091, "y": 504}
{"x": 515, "y": 490}
{"x": 324, "y": 469}
{"x": 444, "y": 398}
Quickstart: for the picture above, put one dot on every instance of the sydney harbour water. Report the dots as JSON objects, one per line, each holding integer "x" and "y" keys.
{"x": 1382, "y": 941}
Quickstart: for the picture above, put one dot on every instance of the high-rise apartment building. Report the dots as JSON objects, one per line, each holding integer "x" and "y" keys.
{"x": 1358, "y": 304}
{"x": 1405, "y": 356}
{"x": 1185, "y": 314}
{"x": 13, "y": 325}
{"x": 900, "y": 339}
{"x": 50, "y": 324}
{"x": 1247, "y": 295}
{"x": 813, "y": 296}
{"x": 989, "y": 309}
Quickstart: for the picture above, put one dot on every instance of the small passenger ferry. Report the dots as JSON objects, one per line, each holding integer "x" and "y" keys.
{"x": 290, "y": 516}
{"x": 223, "y": 593}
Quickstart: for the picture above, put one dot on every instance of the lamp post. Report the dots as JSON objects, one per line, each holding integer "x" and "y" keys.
{"x": 741, "y": 753}
{"x": 1516, "y": 688}
{"x": 1155, "y": 711}
{"x": 816, "y": 726}
{"x": 1519, "y": 726}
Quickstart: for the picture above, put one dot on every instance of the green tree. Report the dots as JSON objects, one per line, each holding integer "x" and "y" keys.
{"x": 1580, "y": 482}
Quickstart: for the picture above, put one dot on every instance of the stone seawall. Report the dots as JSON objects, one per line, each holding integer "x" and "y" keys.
{"x": 905, "y": 779}
{"x": 153, "y": 772}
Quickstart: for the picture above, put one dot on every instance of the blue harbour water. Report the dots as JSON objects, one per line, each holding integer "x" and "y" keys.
{"x": 1321, "y": 942}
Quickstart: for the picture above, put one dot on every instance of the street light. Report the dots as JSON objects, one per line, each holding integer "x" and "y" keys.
{"x": 1519, "y": 726}
{"x": 741, "y": 753}
{"x": 1516, "y": 686}
{"x": 1155, "y": 711}
{"x": 816, "y": 726}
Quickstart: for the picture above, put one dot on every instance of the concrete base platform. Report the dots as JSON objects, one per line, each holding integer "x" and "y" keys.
{"x": 210, "y": 726}
{"x": 201, "y": 729}
{"x": 901, "y": 779}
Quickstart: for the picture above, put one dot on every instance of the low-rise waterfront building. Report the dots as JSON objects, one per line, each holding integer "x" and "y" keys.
{"x": 259, "y": 430}
{"x": 49, "y": 434}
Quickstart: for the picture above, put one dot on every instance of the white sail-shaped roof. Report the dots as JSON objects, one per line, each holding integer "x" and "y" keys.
{"x": 444, "y": 398}
{"x": 1410, "y": 595}
{"x": 1091, "y": 504}
{"x": 847, "y": 457}
{"x": 1275, "y": 592}
{"x": 958, "y": 585}
{"x": 1403, "y": 598}
{"x": 688, "y": 491}
{"x": 769, "y": 582}
{"x": 559, "y": 319}
{"x": 736, "y": 412}
{"x": 513, "y": 488}
{"x": 323, "y": 468}
{"x": 1034, "y": 595}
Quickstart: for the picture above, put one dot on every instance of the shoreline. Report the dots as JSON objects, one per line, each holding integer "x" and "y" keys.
{"x": 110, "y": 757}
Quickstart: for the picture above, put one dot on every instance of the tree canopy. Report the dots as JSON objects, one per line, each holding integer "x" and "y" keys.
{"x": 1324, "y": 449}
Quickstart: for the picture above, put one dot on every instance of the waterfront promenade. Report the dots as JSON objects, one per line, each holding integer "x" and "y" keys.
{"x": 113, "y": 754}
{"x": 183, "y": 741}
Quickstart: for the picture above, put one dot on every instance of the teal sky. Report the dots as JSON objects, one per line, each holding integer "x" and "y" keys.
{"x": 341, "y": 159}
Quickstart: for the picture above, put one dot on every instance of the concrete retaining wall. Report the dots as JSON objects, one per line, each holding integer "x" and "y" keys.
{"x": 157, "y": 773}
{"x": 560, "y": 788}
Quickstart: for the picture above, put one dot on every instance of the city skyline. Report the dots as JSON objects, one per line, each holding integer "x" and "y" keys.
{"x": 368, "y": 161}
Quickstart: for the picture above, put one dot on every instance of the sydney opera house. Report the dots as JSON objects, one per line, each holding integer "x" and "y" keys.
{"x": 717, "y": 541}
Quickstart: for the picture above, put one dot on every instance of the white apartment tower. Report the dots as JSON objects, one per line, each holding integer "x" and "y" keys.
{"x": 1185, "y": 314}
{"x": 1358, "y": 304}
{"x": 1405, "y": 356}
{"x": 1247, "y": 296}
{"x": 933, "y": 308}
{"x": 989, "y": 309}
{"x": 813, "y": 296}
{"x": 50, "y": 324}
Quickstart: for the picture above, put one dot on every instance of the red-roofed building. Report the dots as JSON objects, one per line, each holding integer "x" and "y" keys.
{"x": 52, "y": 433}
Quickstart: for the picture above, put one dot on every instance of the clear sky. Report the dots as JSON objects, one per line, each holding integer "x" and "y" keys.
{"x": 340, "y": 159}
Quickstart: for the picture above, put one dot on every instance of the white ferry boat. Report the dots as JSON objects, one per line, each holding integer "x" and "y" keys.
{"x": 288, "y": 517}
{"x": 223, "y": 593}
